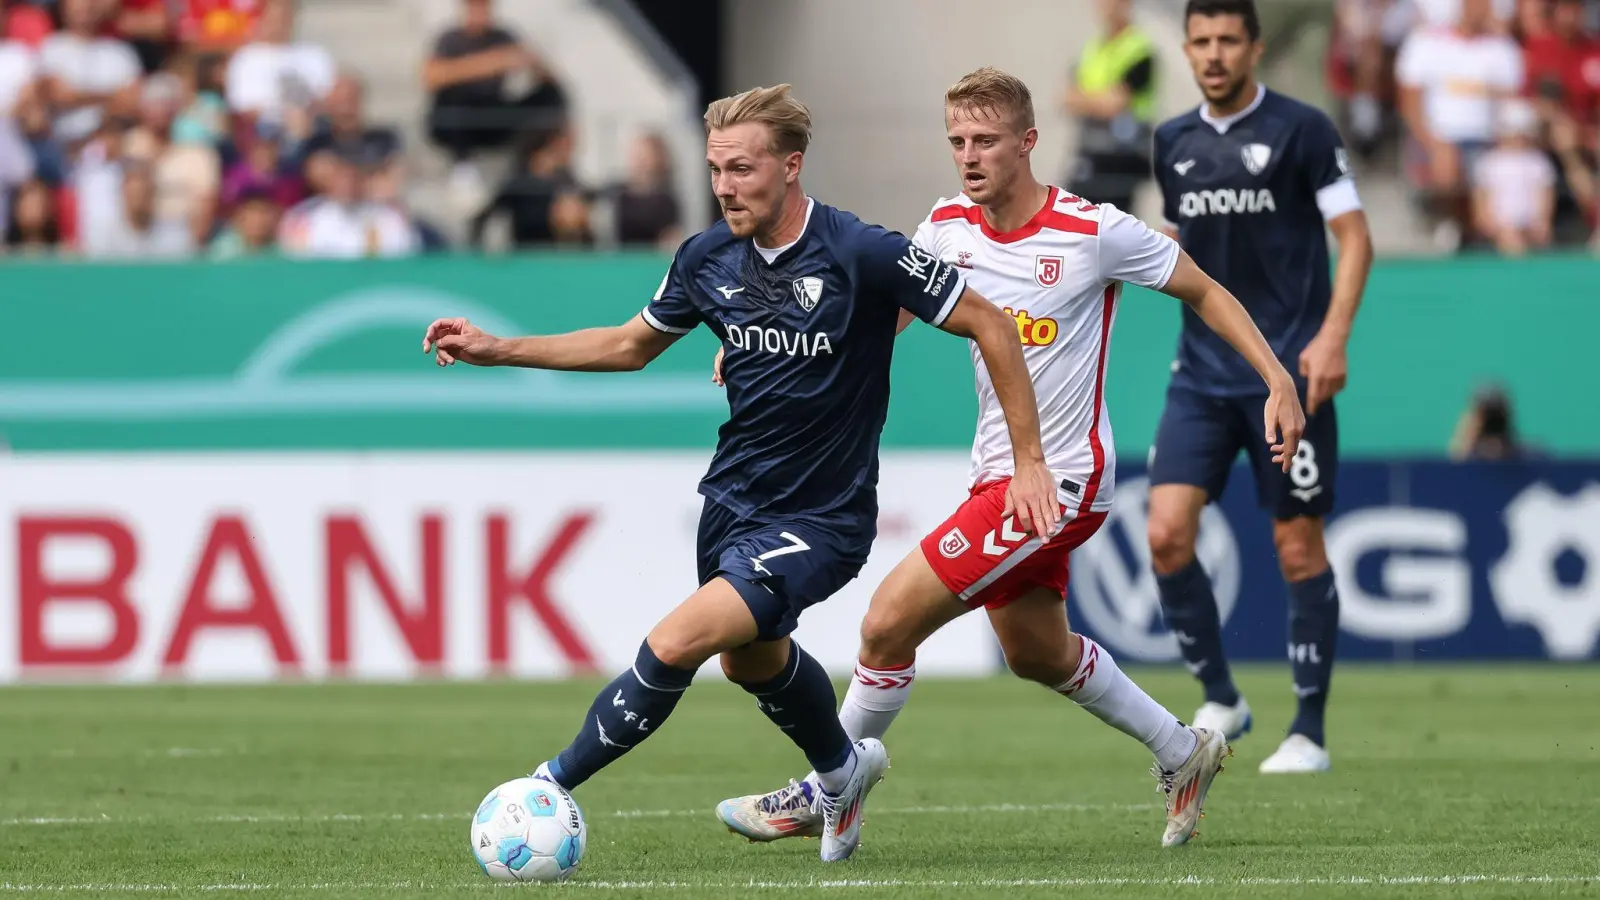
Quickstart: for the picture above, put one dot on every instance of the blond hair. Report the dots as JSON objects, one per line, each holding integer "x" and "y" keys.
{"x": 993, "y": 90}
{"x": 775, "y": 107}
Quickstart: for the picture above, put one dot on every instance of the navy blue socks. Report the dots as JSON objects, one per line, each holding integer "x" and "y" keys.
{"x": 628, "y": 710}
{"x": 1313, "y": 633}
{"x": 1190, "y": 611}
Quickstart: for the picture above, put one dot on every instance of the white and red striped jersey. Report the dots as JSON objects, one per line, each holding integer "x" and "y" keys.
{"x": 1059, "y": 276}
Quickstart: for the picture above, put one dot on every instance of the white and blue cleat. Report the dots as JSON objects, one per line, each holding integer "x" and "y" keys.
{"x": 787, "y": 812}
{"x": 842, "y": 812}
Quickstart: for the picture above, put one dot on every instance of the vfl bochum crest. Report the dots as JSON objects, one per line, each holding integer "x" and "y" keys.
{"x": 808, "y": 291}
{"x": 1256, "y": 157}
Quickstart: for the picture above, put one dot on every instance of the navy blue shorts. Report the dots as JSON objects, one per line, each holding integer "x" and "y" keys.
{"x": 1200, "y": 436}
{"x": 781, "y": 568}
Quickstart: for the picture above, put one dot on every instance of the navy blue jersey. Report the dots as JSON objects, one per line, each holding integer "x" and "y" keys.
{"x": 807, "y": 340}
{"x": 1249, "y": 195}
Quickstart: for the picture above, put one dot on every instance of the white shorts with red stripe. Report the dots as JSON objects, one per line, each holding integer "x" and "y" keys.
{"x": 987, "y": 561}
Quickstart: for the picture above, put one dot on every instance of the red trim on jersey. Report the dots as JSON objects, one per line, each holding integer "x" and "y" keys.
{"x": 1095, "y": 447}
{"x": 1046, "y": 217}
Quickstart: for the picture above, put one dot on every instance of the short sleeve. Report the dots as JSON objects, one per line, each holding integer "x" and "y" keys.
{"x": 671, "y": 310}
{"x": 1325, "y": 166}
{"x": 1511, "y": 72}
{"x": 1133, "y": 252}
{"x": 1411, "y": 66}
{"x": 910, "y": 276}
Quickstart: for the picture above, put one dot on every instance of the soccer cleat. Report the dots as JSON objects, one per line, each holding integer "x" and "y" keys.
{"x": 786, "y": 812}
{"x": 543, "y": 774}
{"x": 841, "y": 812}
{"x": 1297, "y": 753}
{"x": 1233, "y": 721}
{"x": 1186, "y": 788}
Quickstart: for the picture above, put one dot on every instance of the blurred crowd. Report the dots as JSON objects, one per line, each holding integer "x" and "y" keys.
{"x": 172, "y": 129}
{"x": 1492, "y": 107}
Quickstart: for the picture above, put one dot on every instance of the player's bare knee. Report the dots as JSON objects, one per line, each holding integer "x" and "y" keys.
{"x": 1171, "y": 542}
{"x": 885, "y": 640}
{"x": 1301, "y": 554}
{"x": 681, "y": 648}
{"x": 755, "y": 662}
{"x": 1039, "y": 663}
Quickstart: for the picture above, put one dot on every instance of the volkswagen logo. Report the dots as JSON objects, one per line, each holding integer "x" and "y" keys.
{"x": 1115, "y": 587}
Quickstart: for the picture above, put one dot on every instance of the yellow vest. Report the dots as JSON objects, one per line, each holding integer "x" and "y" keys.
{"x": 1106, "y": 62}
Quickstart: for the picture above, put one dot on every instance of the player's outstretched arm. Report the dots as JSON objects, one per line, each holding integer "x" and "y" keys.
{"x": 621, "y": 348}
{"x": 1033, "y": 491}
{"x": 1222, "y": 312}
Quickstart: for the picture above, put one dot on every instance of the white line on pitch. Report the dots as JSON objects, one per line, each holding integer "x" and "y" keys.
{"x": 1357, "y": 881}
{"x": 280, "y": 818}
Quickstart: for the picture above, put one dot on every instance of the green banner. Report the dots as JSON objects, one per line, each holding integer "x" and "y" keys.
{"x": 276, "y": 355}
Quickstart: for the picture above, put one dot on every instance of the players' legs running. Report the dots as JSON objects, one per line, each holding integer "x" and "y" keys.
{"x": 1040, "y": 646}
{"x": 637, "y": 703}
{"x": 1024, "y": 588}
{"x": 757, "y": 580}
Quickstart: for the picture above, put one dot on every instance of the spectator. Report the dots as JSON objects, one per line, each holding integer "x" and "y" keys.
{"x": 467, "y": 76}
{"x": 252, "y": 229}
{"x": 33, "y": 226}
{"x": 1366, "y": 36}
{"x": 543, "y": 198}
{"x": 16, "y": 164}
{"x": 1113, "y": 96}
{"x": 187, "y": 175}
{"x": 1578, "y": 171}
{"x": 85, "y": 72}
{"x": 343, "y": 128}
{"x": 263, "y": 171}
{"x": 647, "y": 207}
{"x": 274, "y": 74}
{"x": 19, "y": 70}
{"x": 1563, "y": 64}
{"x": 205, "y": 119}
{"x": 220, "y": 26}
{"x": 1451, "y": 82}
{"x": 149, "y": 28}
{"x": 136, "y": 231}
{"x": 1486, "y": 430}
{"x": 341, "y": 224}
{"x": 28, "y": 23}
{"x": 1514, "y": 185}
{"x": 385, "y": 186}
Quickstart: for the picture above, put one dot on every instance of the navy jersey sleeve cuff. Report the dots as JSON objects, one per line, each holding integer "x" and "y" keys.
{"x": 651, "y": 320}
{"x": 949, "y": 306}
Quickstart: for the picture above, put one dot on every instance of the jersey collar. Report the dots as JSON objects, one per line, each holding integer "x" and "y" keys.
{"x": 771, "y": 256}
{"x": 1226, "y": 122}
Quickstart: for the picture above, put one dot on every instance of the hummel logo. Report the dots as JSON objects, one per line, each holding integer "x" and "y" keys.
{"x": 728, "y": 292}
{"x": 1183, "y": 167}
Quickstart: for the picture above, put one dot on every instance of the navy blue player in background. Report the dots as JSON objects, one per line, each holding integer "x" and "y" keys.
{"x": 806, "y": 299}
{"x": 1251, "y": 180}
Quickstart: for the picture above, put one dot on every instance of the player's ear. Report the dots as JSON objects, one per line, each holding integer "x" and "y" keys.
{"x": 792, "y": 164}
{"x": 1030, "y": 139}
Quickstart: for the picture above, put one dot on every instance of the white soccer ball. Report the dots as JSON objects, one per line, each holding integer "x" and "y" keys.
{"x": 528, "y": 830}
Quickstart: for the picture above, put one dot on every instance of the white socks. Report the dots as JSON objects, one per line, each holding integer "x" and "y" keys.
{"x": 1100, "y": 687}
{"x": 875, "y": 697}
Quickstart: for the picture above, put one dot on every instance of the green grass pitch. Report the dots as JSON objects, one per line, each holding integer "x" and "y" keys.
{"x": 1448, "y": 781}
